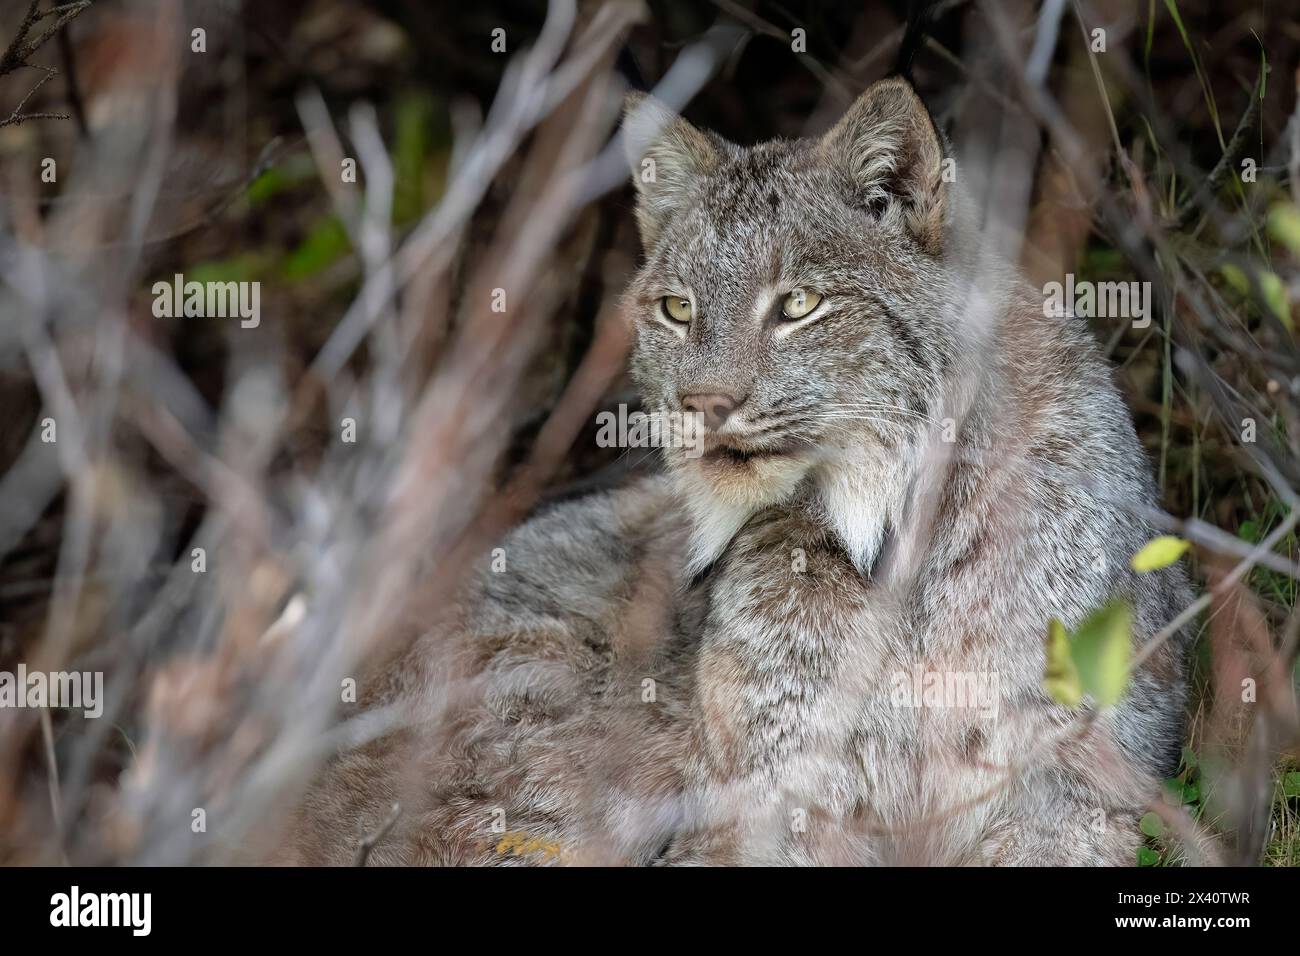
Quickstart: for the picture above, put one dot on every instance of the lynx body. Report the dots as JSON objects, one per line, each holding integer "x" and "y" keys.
{"x": 821, "y": 641}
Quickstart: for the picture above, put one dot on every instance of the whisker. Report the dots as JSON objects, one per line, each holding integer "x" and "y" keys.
{"x": 879, "y": 407}
{"x": 853, "y": 415}
{"x": 863, "y": 418}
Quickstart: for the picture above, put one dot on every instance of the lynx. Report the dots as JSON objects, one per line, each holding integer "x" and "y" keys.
{"x": 822, "y": 640}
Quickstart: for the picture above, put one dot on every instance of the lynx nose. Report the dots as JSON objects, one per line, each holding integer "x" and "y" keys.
{"x": 714, "y": 408}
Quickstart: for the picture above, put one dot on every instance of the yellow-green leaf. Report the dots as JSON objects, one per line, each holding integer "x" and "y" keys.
{"x": 1235, "y": 277}
{"x": 1159, "y": 553}
{"x": 1102, "y": 650}
{"x": 1284, "y": 225}
{"x": 1275, "y": 296}
{"x": 1271, "y": 287}
{"x": 1061, "y": 677}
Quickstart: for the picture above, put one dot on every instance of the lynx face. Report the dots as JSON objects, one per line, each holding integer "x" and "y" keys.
{"x": 795, "y": 294}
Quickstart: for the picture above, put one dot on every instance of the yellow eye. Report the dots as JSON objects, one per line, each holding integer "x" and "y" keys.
{"x": 676, "y": 307}
{"x": 799, "y": 303}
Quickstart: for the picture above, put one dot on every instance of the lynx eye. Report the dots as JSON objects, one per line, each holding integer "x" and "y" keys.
{"x": 676, "y": 307}
{"x": 799, "y": 303}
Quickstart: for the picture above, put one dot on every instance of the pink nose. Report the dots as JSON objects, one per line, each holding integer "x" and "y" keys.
{"x": 714, "y": 408}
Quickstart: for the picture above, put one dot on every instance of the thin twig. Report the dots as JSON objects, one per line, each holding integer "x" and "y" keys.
{"x": 369, "y": 841}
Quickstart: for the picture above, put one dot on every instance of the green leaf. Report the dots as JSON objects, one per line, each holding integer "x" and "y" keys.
{"x": 1291, "y": 784}
{"x": 1190, "y": 760}
{"x": 272, "y": 182}
{"x": 290, "y": 174}
{"x": 1284, "y": 225}
{"x": 1191, "y": 793}
{"x": 1061, "y": 677}
{"x": 1249, "y": 531}
{"x": 1147, "y": 856}
{"x": 1102, "y": 651}
{"x": 324, "y": 245}
{"x": 1152, "y": 825}
{"x": 1159, "y": 553}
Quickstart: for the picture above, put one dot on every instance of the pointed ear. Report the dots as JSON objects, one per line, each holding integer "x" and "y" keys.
{"x": 890, "y": 158}
{"x": 668, "y": 157}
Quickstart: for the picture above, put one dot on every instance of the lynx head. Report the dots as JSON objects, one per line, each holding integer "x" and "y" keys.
{"x": 795, "y": 295}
